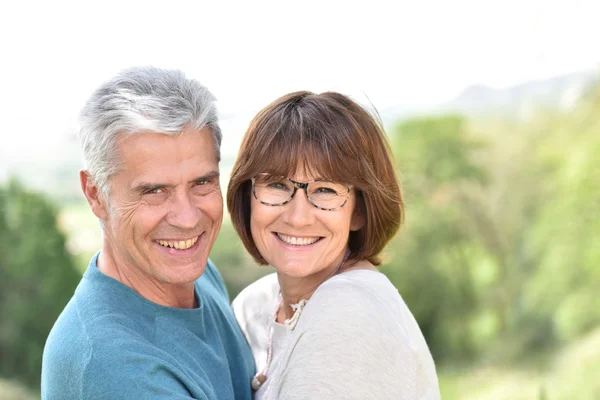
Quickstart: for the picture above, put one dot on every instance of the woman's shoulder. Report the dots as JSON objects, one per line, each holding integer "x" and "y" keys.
{"x": 363, "y": 299}
{"x": 364, "y": 288}
{"x": 254, "y": 297}
{"x": 361, "y": 320}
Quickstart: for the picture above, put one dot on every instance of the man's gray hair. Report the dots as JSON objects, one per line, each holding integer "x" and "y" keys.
{"x": 136, "y": 100}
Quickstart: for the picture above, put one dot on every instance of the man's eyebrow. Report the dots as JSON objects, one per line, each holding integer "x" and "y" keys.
{"x": 147, "y": 187}
{"x": 211, "y": 174}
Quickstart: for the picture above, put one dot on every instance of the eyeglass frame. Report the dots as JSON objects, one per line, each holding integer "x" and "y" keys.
{"x": 299, "y": 185}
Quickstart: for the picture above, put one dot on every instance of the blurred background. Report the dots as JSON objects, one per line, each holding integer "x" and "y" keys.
{"x": 493, "y": 111}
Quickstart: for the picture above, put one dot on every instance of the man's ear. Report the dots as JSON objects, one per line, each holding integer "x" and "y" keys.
{"x": 93, "y": 195}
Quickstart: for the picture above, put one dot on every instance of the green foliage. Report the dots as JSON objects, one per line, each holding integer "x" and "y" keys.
{"x": 500, "y": 251}
{"x": 567, "y": 235}
{"x": 434, "y": 257}
{"x": 37, "y": 278}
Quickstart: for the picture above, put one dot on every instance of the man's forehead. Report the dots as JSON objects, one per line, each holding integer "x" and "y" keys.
{"x": 149, "y": 156}
{"x": 152, "y": 144}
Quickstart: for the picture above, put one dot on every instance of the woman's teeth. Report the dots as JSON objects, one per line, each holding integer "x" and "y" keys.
{"x": 297, "y": 241}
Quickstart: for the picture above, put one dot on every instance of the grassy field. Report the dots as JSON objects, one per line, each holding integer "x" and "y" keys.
{"x": 572, "y": 373}
{"x": 13, "y": 391}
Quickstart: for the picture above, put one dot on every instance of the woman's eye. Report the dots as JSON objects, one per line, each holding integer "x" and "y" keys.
{"x": 278, "y": 185}
{"x": 325, "y": 190}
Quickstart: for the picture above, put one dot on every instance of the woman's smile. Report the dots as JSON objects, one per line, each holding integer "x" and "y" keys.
{"x": 298, "y": 240}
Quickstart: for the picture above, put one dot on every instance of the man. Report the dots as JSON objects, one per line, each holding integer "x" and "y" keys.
{"x": 150, "y": 318}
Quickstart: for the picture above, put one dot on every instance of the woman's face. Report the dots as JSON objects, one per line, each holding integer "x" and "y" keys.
{"x": 299, "y": 239}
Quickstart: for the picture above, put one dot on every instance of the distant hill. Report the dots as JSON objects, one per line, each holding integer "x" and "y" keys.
{"x": 519, "y": 101}
{"x": 514, "y": 102}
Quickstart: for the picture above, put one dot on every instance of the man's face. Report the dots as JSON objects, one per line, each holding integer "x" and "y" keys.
{"x": 165, "y": 207}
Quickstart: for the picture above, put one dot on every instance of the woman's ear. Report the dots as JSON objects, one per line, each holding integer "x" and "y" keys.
{"x": 358, "y": 215}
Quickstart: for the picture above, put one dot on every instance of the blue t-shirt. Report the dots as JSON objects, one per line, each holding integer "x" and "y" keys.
{"x": 111, "y": 343}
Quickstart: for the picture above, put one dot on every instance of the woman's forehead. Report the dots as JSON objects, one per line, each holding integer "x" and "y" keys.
{"x": 304, "y": 160}
{"x": 302, "y": 171}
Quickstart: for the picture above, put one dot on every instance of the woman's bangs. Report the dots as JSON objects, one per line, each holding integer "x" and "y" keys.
{"x": 290, "y": 157}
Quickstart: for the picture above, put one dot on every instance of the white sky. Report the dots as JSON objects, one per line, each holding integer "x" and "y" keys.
{"x": 54, "y": 53}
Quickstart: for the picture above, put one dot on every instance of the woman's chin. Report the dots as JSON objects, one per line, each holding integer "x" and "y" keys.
{"x": 295, "y": 270}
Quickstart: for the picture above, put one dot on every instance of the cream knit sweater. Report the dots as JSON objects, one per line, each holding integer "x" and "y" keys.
{"x": 355, "y": 339}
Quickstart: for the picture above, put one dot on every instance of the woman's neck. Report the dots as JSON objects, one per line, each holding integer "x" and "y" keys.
{"x": 296, "y": 289}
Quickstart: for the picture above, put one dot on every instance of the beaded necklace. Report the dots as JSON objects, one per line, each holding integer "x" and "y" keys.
{"x": 261, "y": 377}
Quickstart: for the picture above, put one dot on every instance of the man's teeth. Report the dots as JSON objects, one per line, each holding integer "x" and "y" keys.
{"x": 179, "y": 244}
{"x": 297, "y": 241}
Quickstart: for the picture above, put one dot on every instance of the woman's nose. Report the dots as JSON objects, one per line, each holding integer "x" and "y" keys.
{"x": 299, "y": 211}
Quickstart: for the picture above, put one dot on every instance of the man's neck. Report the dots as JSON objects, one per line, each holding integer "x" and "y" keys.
{"x": 164, "y": 294}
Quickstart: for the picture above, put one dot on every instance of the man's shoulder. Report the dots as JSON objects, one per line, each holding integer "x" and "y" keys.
{"x": 81, "y": 328}
{"x": 86, "y": 354}
{"x": 121, "y": 367}
{"x": 66, "y": 353}
{"x": 91, "y": 320}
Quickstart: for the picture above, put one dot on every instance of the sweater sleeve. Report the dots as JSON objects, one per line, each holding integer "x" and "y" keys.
{"x": 350, "y": 347}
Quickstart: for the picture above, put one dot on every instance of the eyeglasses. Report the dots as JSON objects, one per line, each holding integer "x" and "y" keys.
{"x": 273, "y": 190}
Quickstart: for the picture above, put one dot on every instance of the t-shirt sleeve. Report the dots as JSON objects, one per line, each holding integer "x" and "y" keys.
{"x": 347, "y": 348}
{"x": 134, "y": 375}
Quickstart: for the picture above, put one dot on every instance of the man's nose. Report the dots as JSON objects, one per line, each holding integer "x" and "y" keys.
{"x": 184, "y": 214}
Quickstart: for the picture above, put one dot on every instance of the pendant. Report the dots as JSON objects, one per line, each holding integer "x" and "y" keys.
{"x": 258, "y": 381}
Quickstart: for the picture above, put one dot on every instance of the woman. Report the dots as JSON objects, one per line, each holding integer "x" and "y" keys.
{"x": 314, "y": 194}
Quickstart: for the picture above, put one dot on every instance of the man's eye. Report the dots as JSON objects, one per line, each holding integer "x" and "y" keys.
{"x": 157, "y": 190}
{"x": 205, "y": 186}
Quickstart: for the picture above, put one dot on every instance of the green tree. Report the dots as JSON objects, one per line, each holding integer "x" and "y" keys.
{"x": 434, "y": 256}
{"x": 501, "y": 244}
{"x": 37, "y": 278}
{"x": 567, "y": 235}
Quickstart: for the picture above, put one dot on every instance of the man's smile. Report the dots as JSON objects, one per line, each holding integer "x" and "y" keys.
{"x": 179, "y": 244}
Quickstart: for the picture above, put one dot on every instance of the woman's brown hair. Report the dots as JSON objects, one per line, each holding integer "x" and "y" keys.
{"x": 330, "y": 136}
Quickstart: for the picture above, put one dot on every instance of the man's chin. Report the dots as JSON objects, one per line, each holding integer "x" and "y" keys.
{"x": 181, "y": 275}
